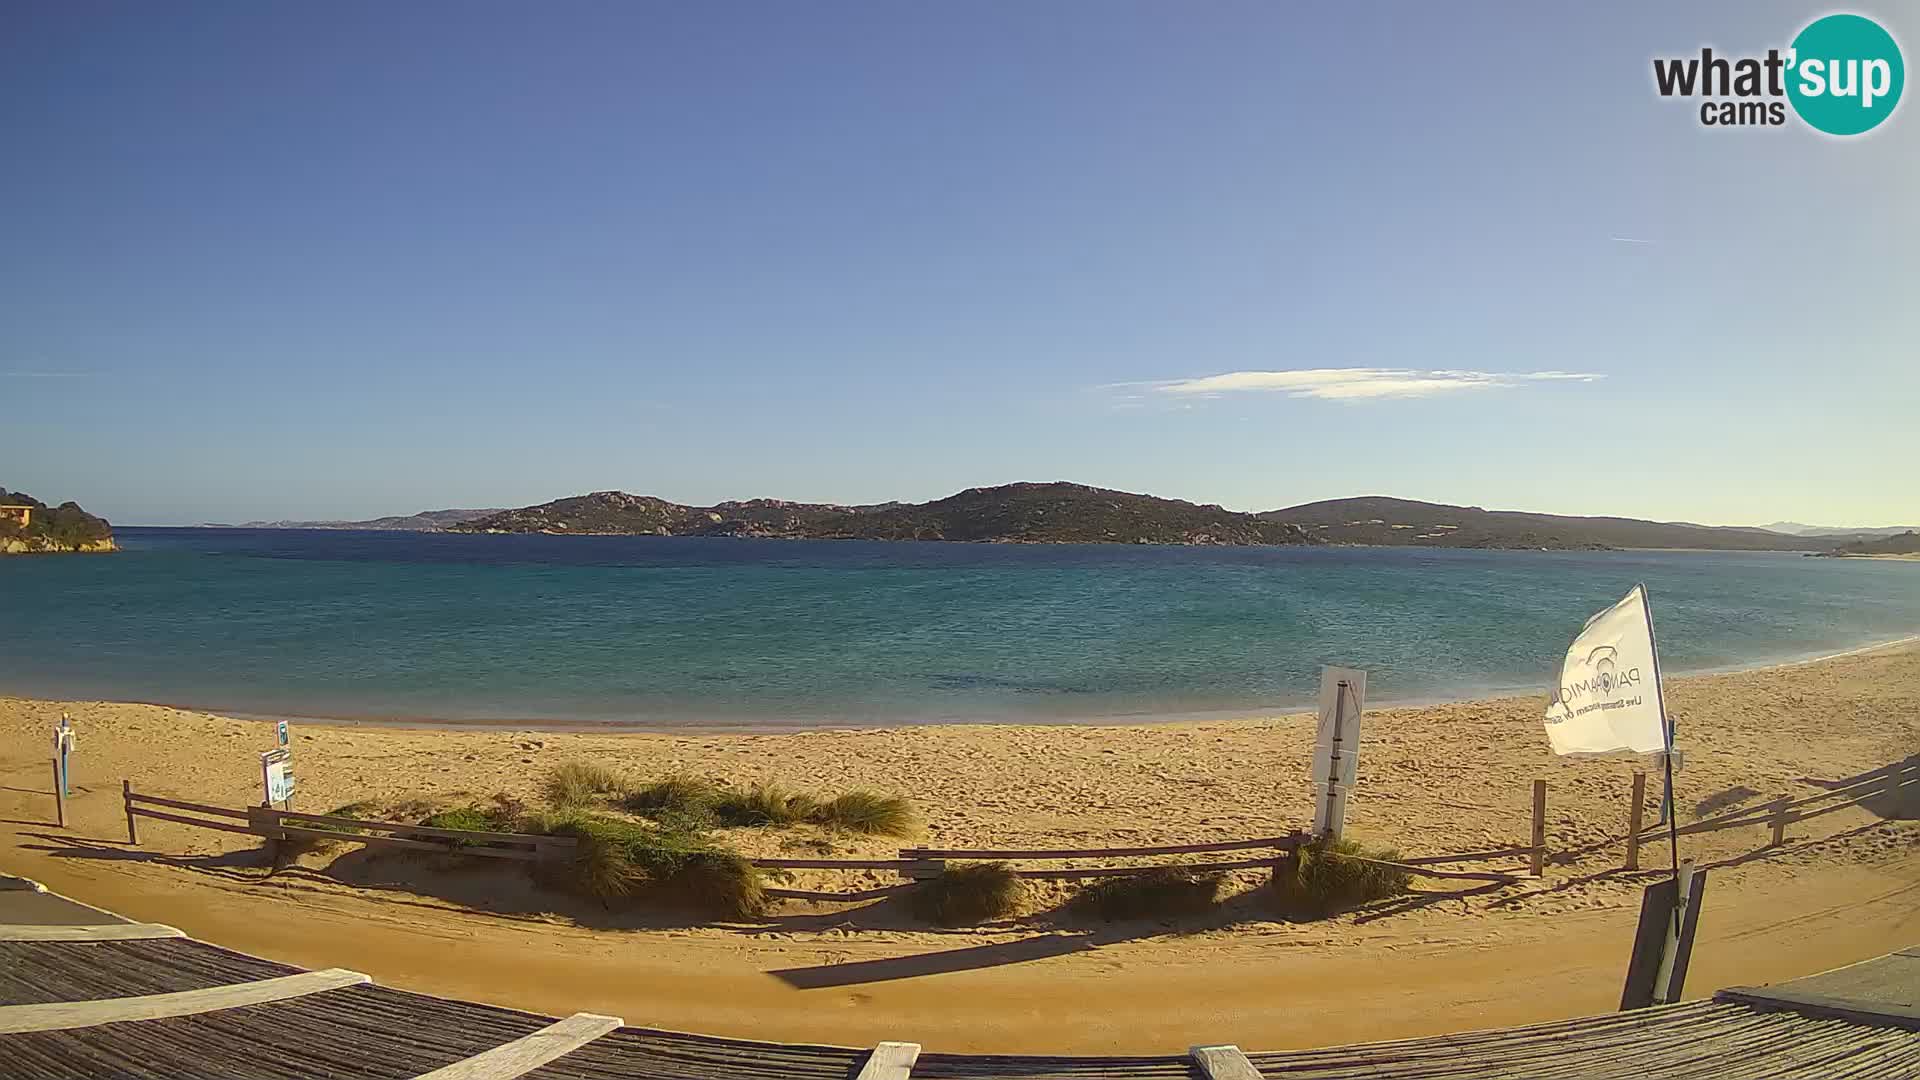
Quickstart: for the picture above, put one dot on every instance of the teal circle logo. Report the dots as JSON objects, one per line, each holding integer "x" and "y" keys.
{"x": 1845, "y": 74}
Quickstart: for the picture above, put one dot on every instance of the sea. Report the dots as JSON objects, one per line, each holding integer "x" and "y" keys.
{"x": 711, "y": 633}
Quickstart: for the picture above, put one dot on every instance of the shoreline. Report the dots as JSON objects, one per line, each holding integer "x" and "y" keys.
{"x": 752, "y": 727}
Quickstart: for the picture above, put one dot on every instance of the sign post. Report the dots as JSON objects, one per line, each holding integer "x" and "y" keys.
{"x": 281, "y": 729}
{"x": 1336, "y": 753}
{"x": 64, "y": 745}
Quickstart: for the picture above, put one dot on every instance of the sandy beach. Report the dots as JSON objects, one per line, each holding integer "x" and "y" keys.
{"x": 1444, "y": 778}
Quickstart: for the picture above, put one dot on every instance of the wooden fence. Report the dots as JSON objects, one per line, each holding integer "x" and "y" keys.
{"x": 272, "y": 824}
{"x": 1895, "y": 781}
{"x": 913, "y": 864}
{"x": 1900, "y": 780}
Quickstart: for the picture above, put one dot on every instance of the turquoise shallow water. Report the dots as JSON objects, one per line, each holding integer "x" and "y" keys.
{"x": 698, "y": 632}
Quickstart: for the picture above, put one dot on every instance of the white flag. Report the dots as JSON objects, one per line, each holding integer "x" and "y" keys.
{"x": 1608, "y": 696}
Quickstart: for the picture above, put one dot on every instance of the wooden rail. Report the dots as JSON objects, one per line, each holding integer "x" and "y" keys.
{"x": 133, "y": 796}
{"x": 272, "y": 824}
{"x": 1075, "y": 873}
{"x": 1285, "y": 843}
{"x": 1782, "y": 812}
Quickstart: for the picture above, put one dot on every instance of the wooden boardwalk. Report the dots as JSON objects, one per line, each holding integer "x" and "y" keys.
{"x": 73, "y": 1007}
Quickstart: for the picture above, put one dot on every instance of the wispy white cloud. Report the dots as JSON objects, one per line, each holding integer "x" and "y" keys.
{"x": 1350, "y": 384}
{"x": 1628, "y": 240}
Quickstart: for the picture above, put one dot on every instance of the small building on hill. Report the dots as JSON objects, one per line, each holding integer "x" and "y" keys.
{"x": 21, "y": 515}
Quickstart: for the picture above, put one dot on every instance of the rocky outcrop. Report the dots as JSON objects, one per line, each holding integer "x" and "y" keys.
{"x": 14, "y": 545}
{"x": 31, "y": 527}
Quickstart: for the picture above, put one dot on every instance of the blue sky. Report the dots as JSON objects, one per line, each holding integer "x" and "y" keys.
{"x": 348, "y": 259}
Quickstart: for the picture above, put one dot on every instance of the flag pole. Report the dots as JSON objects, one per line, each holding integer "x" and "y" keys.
{"x": 1666, "y": 729}
{"x": 1681, "y": 884}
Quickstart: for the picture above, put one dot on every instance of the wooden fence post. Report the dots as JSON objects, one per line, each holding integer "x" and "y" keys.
{"x": 264, "y": 821}
{"x": 59, "y": 795}
{"x": 126, "y": 796}
{"x": 1539, "y": 827}
{"x": 1636, "y": 820}
{"x": 1779, "y": 822}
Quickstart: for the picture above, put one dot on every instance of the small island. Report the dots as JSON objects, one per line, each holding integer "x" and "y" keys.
{"x": 31, "y": 527}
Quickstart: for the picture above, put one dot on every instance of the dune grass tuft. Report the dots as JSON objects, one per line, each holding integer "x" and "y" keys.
{"x": 695, "y": 801}
{"x": 765, "y": 804}
{"x": 968, "y": 893}
{"x": 1164, "y": 893}
{"x": 616, "y": 858}
{"x": 576, "y": 783}
{"x": 496, "y": 818}
{"x": 867, "y": 812}
{"x": 1315, "y": 881}
{"x": 689, "y": 795}
{"x": 470, "y": 818}
{"x": 600, "y": 867}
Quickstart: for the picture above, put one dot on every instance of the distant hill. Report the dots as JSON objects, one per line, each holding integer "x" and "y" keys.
{"x": 1396, "y": 522}
{"x": 1075, "y": 513}
{"x": 63, "y": 528}
{"x": 1829, "y": 531}
{"x": 1906, "y": 543}
{"x": 1053, "y": 513}
{"x": 424, "y": 521}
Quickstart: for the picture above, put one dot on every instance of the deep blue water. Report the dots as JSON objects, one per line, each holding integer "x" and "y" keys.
{"x": 674, "y": 632}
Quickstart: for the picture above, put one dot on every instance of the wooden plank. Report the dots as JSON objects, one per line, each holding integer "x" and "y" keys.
{"x": 1779, "y": 822}
{"x": 59, "y": 796}
{"x": 1223, "y": 1063}
{"x": 528, "y": 839}
{"x": 1803, "y": 815}
{"x": 1285, "y": 843}
{"x": 204, "y": 824}
{"x": 1412, "y": 868}
{"x": 1862, "y": 787}
{"x": 1539, "y": 827}
{"x": 409, "y": 845}
{"x": 1074, "y": 873}
{"x": 902, "y": 865}
{"x": 529, "y": 1052}
{"x": 1636, "y": 820}
{"x": 63, "y": 1015}
{"x": 1860, "y": 1012}
{"x": 890, "y": 1061}
{"x": 198, "y": 808}
{"x": 830, "y": 897}
{"x": 1471, "y": 856}
{"x": 99, "y": 932}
